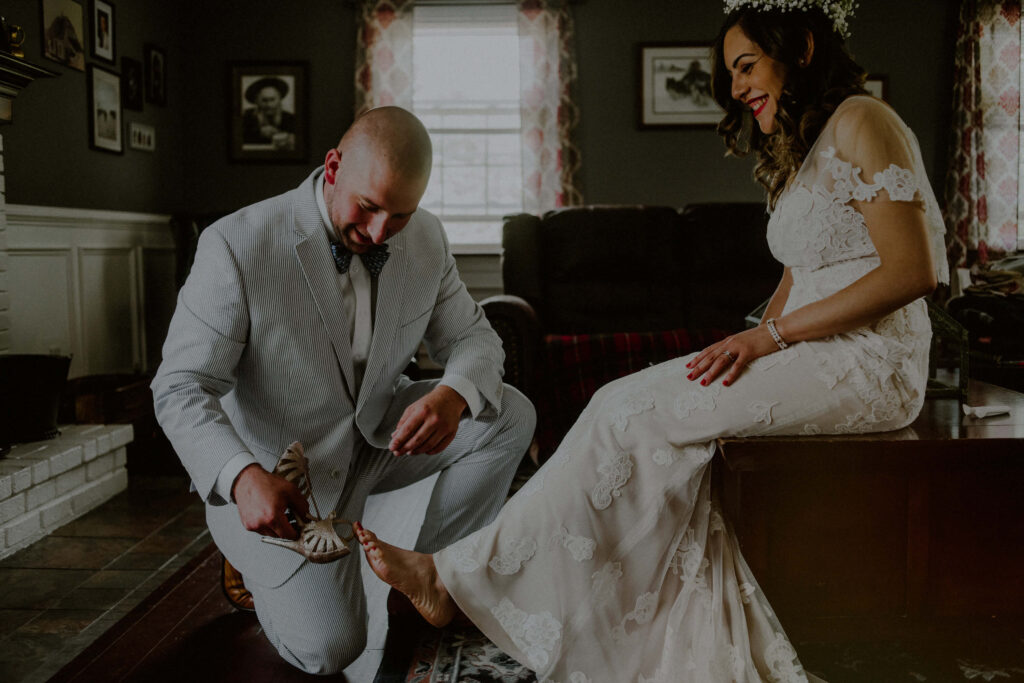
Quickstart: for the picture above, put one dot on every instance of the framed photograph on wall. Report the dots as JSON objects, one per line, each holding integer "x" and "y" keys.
{"x": 268, "y": 114}
{"x": 63, "y": 37}
{"x": 675, "y": 86}
{"x": 131, "y": 84}
{"x": 156, "y": 74}
{"x": 105, "y": 129}
{"x": 141, "y": 136}
{"x": 878, "y": 86}
{"x": 103, "y": 30}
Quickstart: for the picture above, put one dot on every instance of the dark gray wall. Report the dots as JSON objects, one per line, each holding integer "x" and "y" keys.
{"x": 622, "y": 164}
{"x": 46, "y": 149}
{"x": 321, "y": 32}
{"x": 47, "y": 154}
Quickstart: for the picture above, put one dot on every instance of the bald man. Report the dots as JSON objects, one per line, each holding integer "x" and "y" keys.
{"x": 296, "y": 323}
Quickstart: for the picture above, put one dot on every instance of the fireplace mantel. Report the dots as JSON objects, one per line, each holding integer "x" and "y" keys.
{"x": 16, "y": 74}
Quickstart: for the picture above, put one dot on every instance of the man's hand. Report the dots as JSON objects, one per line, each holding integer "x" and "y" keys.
{"x": 262, "y": 499}
{"x": 429, "y": 424}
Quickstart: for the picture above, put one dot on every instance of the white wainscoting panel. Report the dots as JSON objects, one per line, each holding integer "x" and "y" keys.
{"x": 43, "y": 307}
{"x": 99, "y": 285}
{"x": 89, "y": 283}
{"x": 110, "y": 311}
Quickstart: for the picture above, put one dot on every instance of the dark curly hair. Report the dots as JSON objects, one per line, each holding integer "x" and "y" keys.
{"x": 810, "y": 94}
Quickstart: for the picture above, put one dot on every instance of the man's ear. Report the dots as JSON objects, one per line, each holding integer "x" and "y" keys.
{"x": 332, "y": 162}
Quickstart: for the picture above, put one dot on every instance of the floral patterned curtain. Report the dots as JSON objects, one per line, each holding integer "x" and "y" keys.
{"x": 983, "y": 182}
{"x": 547, "y": 73}
{"x": 384, "y": 54}
{"x": 384, "y": 75}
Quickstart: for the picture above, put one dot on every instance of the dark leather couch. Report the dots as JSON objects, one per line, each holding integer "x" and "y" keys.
{"x": 594, "y": 293}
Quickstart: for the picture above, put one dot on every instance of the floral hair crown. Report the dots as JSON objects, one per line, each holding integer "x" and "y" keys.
{"x": 836, "y": 10}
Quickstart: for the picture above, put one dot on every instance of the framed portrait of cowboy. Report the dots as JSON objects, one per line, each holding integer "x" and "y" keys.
{"x": 268, "y": 112}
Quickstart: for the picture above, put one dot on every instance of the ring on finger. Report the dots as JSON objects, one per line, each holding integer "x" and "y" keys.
{"x": 728, "y": 354}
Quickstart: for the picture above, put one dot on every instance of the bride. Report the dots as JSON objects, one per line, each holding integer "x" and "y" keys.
{"x": 613, "y": 563}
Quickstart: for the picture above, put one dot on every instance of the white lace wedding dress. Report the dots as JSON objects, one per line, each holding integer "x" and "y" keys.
{"x": 613, "y": 563}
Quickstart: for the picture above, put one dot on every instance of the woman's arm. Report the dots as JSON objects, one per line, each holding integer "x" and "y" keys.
{"x": 900, "y": 235}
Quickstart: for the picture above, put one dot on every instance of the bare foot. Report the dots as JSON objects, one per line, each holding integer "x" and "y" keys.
{"x": 411, "y": 573}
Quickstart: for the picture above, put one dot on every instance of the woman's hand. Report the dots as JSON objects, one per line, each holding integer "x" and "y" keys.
{"x": 731, "y": 355}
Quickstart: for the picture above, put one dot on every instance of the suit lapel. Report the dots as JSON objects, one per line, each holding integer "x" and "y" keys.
{"x": 313, "y": 252}
{"x": 387, "y": 315}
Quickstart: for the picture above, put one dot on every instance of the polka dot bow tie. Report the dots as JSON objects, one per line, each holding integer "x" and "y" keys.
{"x": 374, "y": 259}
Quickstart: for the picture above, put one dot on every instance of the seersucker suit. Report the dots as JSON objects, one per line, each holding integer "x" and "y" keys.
{"x": 258, "y": 355}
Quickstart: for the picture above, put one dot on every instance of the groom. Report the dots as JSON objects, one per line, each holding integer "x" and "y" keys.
{"x": 296, "y": 322}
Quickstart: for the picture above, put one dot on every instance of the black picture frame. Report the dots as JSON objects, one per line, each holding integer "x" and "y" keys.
{"x": 268, "y": 112}
{"x": 106, "y": 128}
{"x": 132, "y": 84}
{"x": 674, "y": 87}
{"x": 63, "y": 32}
{"x": 155, "y": 60}
{"x": 104, "y": 44}
{"x": 878, "y": 86}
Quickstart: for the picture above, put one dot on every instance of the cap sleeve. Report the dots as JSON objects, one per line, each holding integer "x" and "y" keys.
{"x": 871, "y": 137}
{"x": 869, "y": 155}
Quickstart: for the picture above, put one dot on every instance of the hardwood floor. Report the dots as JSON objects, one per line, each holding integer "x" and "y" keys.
{"x": 86, "y": 595}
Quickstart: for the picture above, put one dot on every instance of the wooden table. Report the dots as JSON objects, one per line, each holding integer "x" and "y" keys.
{"x": 869, "y": 533}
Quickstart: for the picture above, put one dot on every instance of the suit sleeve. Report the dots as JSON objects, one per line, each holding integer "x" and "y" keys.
{"x": 460, "y": 338}
{"x": 205, "y": 341}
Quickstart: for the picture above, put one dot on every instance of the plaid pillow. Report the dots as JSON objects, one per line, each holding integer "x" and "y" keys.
{"x": 578, "y": 365}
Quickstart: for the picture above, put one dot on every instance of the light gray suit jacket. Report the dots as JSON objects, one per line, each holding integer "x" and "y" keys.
{"x": 258, "y": 354}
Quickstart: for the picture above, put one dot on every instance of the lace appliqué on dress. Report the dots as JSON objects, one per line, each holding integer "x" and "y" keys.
{"x": 642, "y": 613}
{"x": 615, "y": 470}
{"x": 783, "y": 357}
{"x": 536, "y": 635}
{"x": 581, "y": 547}
{"x": 695, "y": 455}
{"x": 699, "y": 398}
{"x": 604, "y": 582}
{"x": 762, "y": 411}
{"x": 517, "y": 551}
{"x": 782, "y": 662}
{"x": 632, "y": 404}
{"x": 463, "y": 555}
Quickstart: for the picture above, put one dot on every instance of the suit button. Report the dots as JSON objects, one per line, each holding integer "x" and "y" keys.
{"x": 335, "y": 474}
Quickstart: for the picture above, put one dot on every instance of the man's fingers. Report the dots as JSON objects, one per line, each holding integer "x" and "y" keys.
{"x": 402, "y": 435}
{"x": 414, "y": 443}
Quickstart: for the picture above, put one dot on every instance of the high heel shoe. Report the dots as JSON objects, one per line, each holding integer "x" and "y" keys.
{"x": 318, "y": 540}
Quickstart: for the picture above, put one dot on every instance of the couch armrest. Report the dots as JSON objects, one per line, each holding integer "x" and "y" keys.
{"x": 517, "y": 324}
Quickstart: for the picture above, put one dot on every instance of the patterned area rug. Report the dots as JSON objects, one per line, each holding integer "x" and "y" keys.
{"x": 464, "y": 655}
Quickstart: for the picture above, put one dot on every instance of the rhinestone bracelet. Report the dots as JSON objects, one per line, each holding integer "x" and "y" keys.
{"x": 770, "y": 324}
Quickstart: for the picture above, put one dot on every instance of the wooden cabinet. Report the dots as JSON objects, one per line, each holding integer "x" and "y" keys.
{"x": 875, "y": 533}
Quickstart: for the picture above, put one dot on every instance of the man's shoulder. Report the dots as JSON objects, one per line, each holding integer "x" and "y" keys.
{"x": 273, "y": 215}
{"x": 426, "y": 227}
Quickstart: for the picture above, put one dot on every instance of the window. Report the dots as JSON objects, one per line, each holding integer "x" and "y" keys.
{"x": 466, "y": 91}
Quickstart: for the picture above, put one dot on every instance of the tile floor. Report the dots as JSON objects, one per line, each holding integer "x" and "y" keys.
{"x": 61, "y": 593}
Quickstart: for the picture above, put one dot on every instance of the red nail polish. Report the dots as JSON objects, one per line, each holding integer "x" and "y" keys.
{"x": 703, "y": 382}
{"x": 725, "y": 382}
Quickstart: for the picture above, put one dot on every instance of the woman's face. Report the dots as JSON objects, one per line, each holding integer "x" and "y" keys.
{"x": 757, "y": 79}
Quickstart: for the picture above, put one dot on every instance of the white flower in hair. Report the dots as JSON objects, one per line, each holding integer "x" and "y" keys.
{"x": 836, "y": 10}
